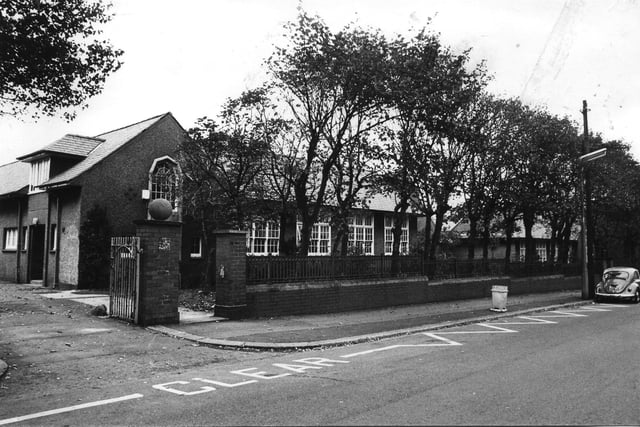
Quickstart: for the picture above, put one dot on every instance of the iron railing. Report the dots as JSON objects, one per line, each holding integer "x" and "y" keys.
{"x": 278, "y": 269}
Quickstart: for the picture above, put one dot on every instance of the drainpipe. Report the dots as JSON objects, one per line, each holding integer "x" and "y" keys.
{"x": 20, "y": 242}
{"x": 47, "y": 238}
{"x": 56, "y": 274}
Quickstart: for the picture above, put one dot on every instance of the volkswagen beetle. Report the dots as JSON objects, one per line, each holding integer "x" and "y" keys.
{"x": 619, "y": 283}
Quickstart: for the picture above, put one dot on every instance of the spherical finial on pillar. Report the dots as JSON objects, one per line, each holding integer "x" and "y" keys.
{"x": 160, "y": 209}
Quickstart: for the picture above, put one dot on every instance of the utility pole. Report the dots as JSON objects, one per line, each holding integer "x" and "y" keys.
{"x": 586, "y": 232}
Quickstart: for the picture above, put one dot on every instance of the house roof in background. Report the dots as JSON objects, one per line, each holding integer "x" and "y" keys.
{"x": 111, "y": 141}
{"x": 70, "y": 145}
{"x": 381, "y": 202}
{"x": 539, "y": 230}
{"x": 14, "y": 178}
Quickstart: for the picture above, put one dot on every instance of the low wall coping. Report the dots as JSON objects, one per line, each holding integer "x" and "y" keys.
{"x": 296, "y": 286}
{"x": 468, "y": 279}
{"x": 550, "y": 276}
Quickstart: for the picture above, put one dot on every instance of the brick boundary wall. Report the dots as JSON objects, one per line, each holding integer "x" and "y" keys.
{"x": 331, "y": 297}
{"x": 161, "y": 243}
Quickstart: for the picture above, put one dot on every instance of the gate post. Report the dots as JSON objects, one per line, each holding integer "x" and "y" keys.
{"x": 159, "y": 291}
{"x": 231, "y": 273}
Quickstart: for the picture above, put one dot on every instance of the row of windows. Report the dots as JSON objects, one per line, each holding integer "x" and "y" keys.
{"x": 10, "y": 239}
{"x": 541, "y": 253}
{"x": 264, "y": 238}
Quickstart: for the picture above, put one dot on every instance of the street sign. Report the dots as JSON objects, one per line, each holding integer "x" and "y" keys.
{"x": 593, "y": 155}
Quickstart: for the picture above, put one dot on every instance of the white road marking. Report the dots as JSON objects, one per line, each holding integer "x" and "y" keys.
{"x": 561, "y": 314}
{"x": 537, "y": 320}
{"x": 613, "y": 305}
{"x": 320, "y": 361}
{"x": 594, "y": 309}
{"x": 438, "y": 337}
{"x": 164, "y": 387}
{"x": 391, "y": 347}
{"x": 70, "y": 409}
{"x": 261, "y": 375}
{"x": 223, "y": 384}
{"x": 496, "y": 328}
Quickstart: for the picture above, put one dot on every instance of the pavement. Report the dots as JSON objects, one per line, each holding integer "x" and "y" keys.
{"x": 334, "y": 329}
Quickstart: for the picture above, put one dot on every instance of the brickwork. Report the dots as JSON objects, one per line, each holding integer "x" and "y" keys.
{"x": 9, "y": 258}
{"x": 317, "y": 298}
{"x": 231, "y": 269}
{"x": 161, "y": 243}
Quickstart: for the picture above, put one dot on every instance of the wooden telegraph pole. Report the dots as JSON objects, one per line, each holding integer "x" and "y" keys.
{"x": 587, "y": 231}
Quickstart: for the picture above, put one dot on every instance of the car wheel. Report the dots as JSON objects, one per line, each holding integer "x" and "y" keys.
{"x": 636, "y": 296}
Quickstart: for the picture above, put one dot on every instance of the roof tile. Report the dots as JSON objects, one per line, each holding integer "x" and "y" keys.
{"x": 112, "y": 141}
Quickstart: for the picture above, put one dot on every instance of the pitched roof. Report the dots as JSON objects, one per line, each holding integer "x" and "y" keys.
{"x": 375, "y": 202}
{"x": 111, "y": 141}
{"x": 70, "y": 145}
{"x": 14, "y": 178}
{"x": 381, "y": 202}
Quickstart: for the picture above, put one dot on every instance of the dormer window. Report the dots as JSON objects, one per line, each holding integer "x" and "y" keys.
{"x": 39, "y": 173}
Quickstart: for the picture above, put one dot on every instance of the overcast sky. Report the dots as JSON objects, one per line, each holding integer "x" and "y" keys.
{"x": 189, "y": 56}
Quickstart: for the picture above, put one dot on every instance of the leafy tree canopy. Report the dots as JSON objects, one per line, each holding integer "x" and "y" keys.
{"x": 51, "y": 56}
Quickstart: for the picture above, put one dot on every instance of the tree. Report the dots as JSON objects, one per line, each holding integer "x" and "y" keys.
{"x": 616, "y": 202}
{"x": 331, "y": 84}
{"x": 352, "y": 181}
{"x": 444, "y": 136}
{"x": 281, "y": 169}
{"x": 51, "y": 58}
{"x": 428, "y": 92}
{"x": 222, "y": 165}
{"x": 541, "y": 161}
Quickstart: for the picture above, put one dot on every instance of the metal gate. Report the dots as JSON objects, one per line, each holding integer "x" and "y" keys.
{"x": 125, "y": 278}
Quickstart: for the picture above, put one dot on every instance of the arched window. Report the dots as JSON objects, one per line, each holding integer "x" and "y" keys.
{"x": 164, "y": 181}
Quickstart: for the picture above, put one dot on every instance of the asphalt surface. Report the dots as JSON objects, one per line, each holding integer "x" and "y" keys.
{"x": 553, "y": 367}
{"x": 333, "y": 329}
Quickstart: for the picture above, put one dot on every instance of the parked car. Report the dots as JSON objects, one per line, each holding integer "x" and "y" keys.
{"x": 619, "y": 283}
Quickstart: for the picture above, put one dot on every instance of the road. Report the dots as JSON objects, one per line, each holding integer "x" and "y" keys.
{"x": 577, "y": 366}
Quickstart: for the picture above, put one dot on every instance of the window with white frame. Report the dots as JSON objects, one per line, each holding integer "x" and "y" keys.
{"x": 361, "y": 234}
{"x": 541, "y": 251}
{"x": 10, "y": 241}
{"x": 196, "y": 247}
{"x": 388, "y": 236}
{"x": 163, "y": 181}
{"x": 320, "y": 242}
{"x": 39, "y": 174}
{"x": 264, "y": 238}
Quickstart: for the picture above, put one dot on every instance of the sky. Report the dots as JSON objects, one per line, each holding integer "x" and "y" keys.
{"x": 187, "y": 57}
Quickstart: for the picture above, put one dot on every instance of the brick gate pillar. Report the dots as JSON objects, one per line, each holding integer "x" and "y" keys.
{"x": 161, "y": 243}
{"x": 231, "y": 270}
